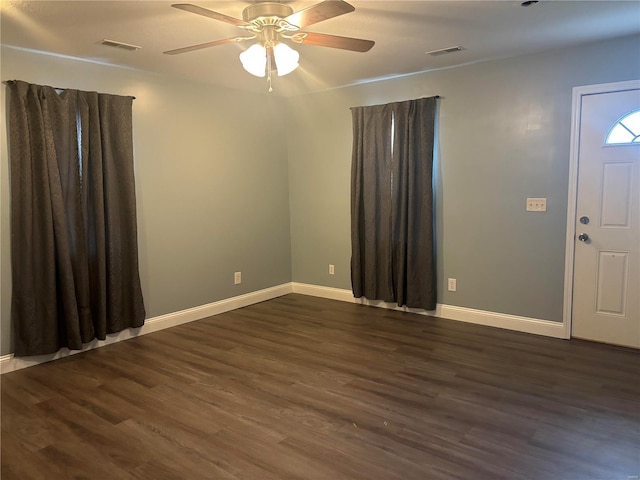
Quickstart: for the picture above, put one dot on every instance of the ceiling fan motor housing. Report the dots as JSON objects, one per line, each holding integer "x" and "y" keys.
{"x": 266, "y": 9}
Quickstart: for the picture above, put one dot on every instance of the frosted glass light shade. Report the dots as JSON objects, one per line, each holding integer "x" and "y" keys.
{"x": 254, "y": 60}
{"x": 286, "y": 59}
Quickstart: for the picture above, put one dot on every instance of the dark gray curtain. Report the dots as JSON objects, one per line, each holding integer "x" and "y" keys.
{"x": 73, "y": 218}
{"x": 392, "y": 247}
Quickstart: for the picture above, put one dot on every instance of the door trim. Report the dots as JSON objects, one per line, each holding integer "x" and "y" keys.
{"x": 576, "y": 114}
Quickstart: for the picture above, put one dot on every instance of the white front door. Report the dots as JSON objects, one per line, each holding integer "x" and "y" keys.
{"x": 606, "y": 275}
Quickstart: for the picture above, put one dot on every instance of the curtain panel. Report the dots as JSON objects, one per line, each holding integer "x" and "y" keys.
{"x": 73, "y": 218}
{"x": 392, "y": 223}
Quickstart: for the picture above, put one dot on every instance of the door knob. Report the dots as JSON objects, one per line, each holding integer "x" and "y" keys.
{"x": 583, "y": 237}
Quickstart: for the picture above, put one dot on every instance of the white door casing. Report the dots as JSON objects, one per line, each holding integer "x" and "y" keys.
{"x": 602, "y": 281}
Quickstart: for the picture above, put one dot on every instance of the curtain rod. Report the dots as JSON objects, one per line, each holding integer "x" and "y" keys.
{"x": 400, "y": 101}
{"x": 9, "y": 82}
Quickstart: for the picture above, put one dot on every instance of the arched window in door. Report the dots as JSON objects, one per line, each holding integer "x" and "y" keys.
{"x": 626, "y": 131}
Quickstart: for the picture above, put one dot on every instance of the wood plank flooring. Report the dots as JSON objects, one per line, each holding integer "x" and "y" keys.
{"x": 307, "y": 388}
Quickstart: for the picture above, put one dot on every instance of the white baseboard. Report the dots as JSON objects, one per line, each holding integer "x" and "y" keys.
{"x": 9, "y": 363}
{"x": 197, "y": 313}
{"x": 324, "y": 292}
{"x": 535, "y": 326}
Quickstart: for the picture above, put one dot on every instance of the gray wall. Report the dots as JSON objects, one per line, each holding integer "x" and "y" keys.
{"x": 504, "y": 135}
{"x": 211, "y": 179}
{"x": 215, "y": 193}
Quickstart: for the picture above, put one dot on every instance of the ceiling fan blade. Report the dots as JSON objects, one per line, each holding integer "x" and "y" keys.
{"x": 200, "y": 46}
{"x": 319, "y": 12}
{"x": 187, "y": 7}
{"x": 333, "y": 41}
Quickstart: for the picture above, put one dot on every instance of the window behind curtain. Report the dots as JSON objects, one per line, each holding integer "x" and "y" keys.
{"x": 392, "y": 229}
{"x": 73, "y": 218}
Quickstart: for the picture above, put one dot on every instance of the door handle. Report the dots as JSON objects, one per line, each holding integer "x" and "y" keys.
{"x": 583, "y": 237}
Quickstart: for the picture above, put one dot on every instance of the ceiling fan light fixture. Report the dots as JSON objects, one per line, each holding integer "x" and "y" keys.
{"x": 286, "y": 59}
{"x": 268, "y": 22}
{"x": 254, "y": 60}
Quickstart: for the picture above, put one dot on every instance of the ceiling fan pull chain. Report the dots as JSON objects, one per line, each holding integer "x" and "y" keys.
{"x": 269, "y": 67}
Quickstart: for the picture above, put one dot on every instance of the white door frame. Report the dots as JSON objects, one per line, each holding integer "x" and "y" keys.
{"x": 576, "y": 114}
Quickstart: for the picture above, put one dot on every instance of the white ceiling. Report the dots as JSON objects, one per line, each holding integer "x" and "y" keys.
{"x": 403, "y": 32}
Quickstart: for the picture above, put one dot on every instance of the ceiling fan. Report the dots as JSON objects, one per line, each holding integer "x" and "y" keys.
{"x": 270, "y": 24}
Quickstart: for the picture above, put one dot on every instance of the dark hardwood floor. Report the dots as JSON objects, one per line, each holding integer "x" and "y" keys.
{"x": 306, "y": 388}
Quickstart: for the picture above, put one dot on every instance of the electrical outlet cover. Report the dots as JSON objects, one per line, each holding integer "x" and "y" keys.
{"x": 536, "y": 204}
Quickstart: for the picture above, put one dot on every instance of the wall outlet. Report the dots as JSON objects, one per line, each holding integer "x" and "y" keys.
{"x": 536, "y": 204}
{"x": 332, "y": 269}
{"x": 452, "y": 284}
{"x": 237, "y": 278}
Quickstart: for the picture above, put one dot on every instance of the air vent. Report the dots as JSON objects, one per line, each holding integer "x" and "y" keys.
{"x": 124, "y": 46}
{"x": 444, "y": 51}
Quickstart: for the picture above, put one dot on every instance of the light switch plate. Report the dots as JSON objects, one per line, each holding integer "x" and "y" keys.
{"x": 536, "y": 204}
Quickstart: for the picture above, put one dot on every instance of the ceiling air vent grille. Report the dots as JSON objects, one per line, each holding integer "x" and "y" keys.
{"x": 444, "y": 51}
{"x": 124, "y": 46}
